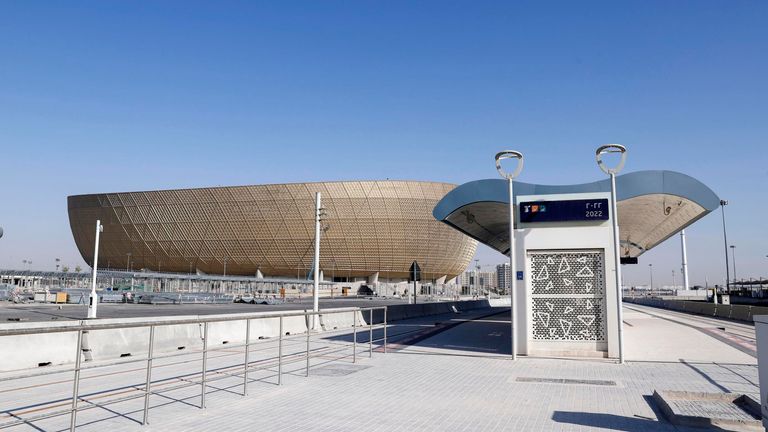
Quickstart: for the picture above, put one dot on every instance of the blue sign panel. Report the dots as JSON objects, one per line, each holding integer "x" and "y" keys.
{"x": 563, "y": 211}
{"x": 519, "y": 275}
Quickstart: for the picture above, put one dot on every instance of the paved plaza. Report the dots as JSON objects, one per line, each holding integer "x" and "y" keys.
{"x": 459, "y": 379}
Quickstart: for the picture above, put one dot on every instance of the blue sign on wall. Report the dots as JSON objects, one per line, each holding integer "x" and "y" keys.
{"x": 562, "y": 211}
{"x": 519, "y": 275}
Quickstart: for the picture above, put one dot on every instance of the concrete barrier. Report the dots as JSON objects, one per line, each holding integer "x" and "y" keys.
{"x": 734, "y": 312}
{"x": 341, "y": 318}
{"x": 741, "y": 312}
{"x": 29, "y": 351}
{"x": 21, "y": 352}
{"x": 759, "y": 310}
{"x": 499, "y": 302}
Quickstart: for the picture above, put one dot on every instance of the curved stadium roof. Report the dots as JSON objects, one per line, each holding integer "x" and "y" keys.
{"x": 372, "y": 226}
{"x": 652, "y": 206}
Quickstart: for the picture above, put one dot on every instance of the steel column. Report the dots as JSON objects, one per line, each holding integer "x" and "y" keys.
{"x": 308, "y": 335}
{"x": 148, "y": 385}
{"x": 385, "y": 329}
{"x": 247, "y": 349}
{"x": 280, "y": 354}
{"x": 512, "y": 270}
{"x": 617, "y": 265}
{"x": 370, "y": 333}
{"x": 76, "y": 382}
{"x": 205, "y": 365}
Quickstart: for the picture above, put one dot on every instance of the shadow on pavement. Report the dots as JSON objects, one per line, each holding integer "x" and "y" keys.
{"x": 480, "y": 332}
{"x": 615, "y": 422}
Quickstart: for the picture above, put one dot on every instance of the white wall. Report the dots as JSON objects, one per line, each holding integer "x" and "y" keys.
{"x": 563, "y": 235}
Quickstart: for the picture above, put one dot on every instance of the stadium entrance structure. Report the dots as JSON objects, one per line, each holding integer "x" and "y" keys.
{"x": 564, "y": 301}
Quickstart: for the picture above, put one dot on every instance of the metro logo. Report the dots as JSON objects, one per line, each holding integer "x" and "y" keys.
{"x": 538, "y": 208}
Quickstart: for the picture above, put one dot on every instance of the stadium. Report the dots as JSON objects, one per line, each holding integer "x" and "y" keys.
{"x": 373, "y": 230}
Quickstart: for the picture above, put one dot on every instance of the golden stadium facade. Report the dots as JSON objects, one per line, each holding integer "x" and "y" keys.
{"x": 371, "y": 227}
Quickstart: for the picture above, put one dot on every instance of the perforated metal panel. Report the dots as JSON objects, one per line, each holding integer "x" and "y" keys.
{"x": 568, "y": 295}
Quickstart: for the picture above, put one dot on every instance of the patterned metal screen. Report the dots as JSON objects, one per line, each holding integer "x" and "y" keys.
{"x": 568, "y": 295}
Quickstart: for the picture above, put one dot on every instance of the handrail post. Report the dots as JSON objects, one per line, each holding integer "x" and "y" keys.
{"x": 354, "y": 336}
{"x": 370, "y": 333}
{"x": 308, "y": 333}
{"x": 247, "y": 348}
{"x": 147, "y": 387}
{"x": 205, "y": 365}
{"x": 280, "y": 354}
{"x": 385, "y": 329}
{"x": 76, "y": 385}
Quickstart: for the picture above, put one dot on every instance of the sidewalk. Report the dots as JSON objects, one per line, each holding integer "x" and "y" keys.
{"x": 458, "y": 379}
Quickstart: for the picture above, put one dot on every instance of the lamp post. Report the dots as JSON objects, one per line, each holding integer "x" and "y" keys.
{"x": 94, "y": 300}
{"x": 733, "y": 258}
{"x": 500, "y": 156}
{"x": 684, "y": 268}
{"x": 319, "y": 213}
{"x": 622, "y": 151}
{"x": 650, "y": 268}
{"x": 724, "y": 203}
{"x": 477, "y": 278}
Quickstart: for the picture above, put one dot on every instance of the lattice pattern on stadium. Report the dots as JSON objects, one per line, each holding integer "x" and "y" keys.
{"x": 373, "y": 226}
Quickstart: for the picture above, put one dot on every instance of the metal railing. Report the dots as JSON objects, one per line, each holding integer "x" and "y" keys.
{"x": 245, "y": 366}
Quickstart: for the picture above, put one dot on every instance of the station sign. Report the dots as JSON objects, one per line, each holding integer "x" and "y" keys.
{"x": 414, "y": 273}
{"x": 564, "y": 211}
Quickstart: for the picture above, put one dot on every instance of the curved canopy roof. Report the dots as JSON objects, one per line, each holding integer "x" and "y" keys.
{"x": 652, "y": 206}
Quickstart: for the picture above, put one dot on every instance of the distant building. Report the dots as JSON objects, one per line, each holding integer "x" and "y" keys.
{"x": 467, "y": 278}
{"x": 502, "y": 277}
{"x": 486, "y": 280}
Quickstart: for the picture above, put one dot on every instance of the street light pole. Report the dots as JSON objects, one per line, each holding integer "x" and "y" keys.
{"x": 724, "y": 203}
{"x": 622, "y": 151}
{"x": 511, "y": 154}
{"x": 733, "y": 257}
{"x": 685, "y": 260}
{"x": 316, "y": 273}
{"x": 477, "y": 279}
{"x": 650, "y": 267}
{"x": 94, "y": 299}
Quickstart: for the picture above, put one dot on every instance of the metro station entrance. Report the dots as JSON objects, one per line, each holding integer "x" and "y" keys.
{"x": 567, "y": 284}
{"x": 564, "y": 307}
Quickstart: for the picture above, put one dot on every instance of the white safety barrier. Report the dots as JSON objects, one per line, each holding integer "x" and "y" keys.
{"x": 28, "y": 351}
{"x": 340, "y": 318}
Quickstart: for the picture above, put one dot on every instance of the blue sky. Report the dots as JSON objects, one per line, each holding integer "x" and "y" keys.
{"x": 115, "y": 96}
